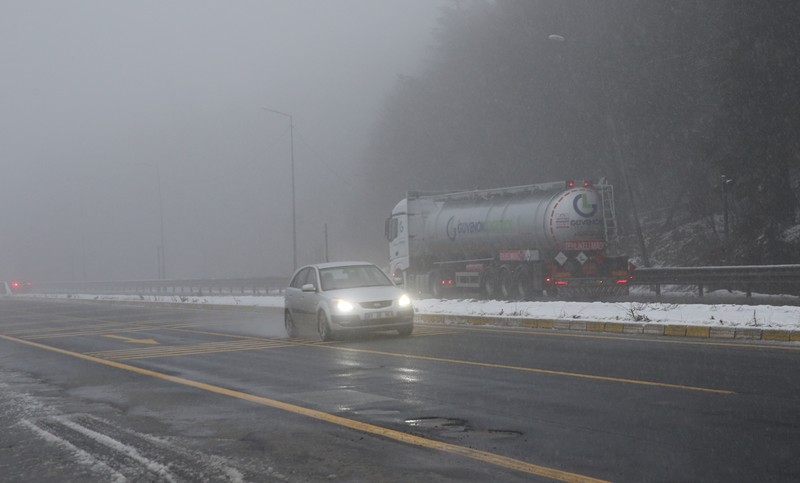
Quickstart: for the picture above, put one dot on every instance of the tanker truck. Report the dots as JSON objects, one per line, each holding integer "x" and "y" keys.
{"x": 513, "y": 243}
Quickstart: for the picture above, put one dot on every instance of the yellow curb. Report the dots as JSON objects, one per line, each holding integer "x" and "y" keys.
{"x": 595, "y": 326}
{"x": 632, "y": 328}
{"x": 695, "y": 331}
{"x": 614, "y": 327}
{"x": 545, "y": 324}
{"x": 783, "y": 335}
{"x": 653, "y": 329}
{"x": 675, "y": 330}
{"x": 748, "y": 333}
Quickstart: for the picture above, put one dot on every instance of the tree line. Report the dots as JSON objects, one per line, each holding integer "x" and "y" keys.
{"x": 692, "y": 107}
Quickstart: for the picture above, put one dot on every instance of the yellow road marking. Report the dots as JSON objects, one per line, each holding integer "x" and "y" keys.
{"x": 532, "y": 369}
{"x": 478, "y": 455}
{"x": 745, "y": 344}
{"x": 89, "y": 326}
{"x": 101, "y": 330}
{"x": 131, "y": 340}
{"x": 501, "y": 366}
{"x": 59, "y": 318}
{"x": 301, "y": 342}
{"x": 188, "y": 350}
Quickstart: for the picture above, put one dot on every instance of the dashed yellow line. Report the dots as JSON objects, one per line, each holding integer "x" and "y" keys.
{"x": 419, "y": 331}
{"x": 63, "y": 318}
{"x": 744, "y": 344}
{"x": 471, "y": 453}
{"x": 102, "y": 330}
{"x": 185, "y": 350}
{"x": 84, "y": 328}
{"x": 301, "y": 342}
{"x": 536, "y": 370}
{"x": 426, "y": 331}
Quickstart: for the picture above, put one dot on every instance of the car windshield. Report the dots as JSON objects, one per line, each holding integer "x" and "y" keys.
{"x": 351, "y": 276}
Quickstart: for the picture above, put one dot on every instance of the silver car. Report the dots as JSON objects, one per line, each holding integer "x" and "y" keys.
{"x": 336, "y": 298}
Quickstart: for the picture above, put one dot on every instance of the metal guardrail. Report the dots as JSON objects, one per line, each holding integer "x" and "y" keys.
{"x": 748, "y": 278}
{"x": 219, "y": 286}
{"x": 769, "y": 278}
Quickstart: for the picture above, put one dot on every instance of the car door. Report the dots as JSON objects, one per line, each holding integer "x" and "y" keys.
{"x": 307, "y": 303}
{"x": 294, "y": 296}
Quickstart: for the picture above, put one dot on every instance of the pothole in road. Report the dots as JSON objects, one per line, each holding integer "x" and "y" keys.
{"x": 377, "y": 412}
{"x": 459, "y": 428}
{"x": 450, "y": 424}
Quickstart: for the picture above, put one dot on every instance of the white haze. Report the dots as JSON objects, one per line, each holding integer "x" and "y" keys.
{"x": 95, "y": 94}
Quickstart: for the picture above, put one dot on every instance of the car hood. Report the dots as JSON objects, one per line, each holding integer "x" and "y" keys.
{"x": 366, "y": 294}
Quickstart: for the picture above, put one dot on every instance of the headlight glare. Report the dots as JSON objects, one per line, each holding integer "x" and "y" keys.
{"x": 404, "y": 301}
{"x": 343, "y": 305}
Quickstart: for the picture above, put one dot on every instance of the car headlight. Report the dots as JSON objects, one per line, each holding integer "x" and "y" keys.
{"x": 404, "y": 301}
{"x": 343, "y": 305}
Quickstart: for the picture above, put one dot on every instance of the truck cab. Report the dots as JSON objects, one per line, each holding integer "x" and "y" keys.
{"x": 396, "y": 231}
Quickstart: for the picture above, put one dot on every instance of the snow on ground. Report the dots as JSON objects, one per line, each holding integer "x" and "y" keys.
{"x": 719, "y": 315}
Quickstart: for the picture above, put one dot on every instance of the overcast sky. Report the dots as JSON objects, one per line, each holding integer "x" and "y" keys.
{"x": 98, "y": 99}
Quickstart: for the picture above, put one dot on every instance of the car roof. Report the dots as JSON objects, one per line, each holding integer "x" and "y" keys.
{"x": 339, "y": 264}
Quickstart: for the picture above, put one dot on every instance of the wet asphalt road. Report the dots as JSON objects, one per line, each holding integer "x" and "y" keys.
{"x": 92, "y": 392}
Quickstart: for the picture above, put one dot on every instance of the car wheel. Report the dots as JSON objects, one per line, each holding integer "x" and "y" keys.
{"x": 324, "y": 328}
{"x": 288, "y": 322}
{"x": 406, "y": 331}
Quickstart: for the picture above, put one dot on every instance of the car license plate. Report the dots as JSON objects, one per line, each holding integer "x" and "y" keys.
{"x": 377, "y": 315}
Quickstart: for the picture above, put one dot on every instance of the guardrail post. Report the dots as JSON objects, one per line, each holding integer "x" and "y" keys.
{"x": 700, "y": 290}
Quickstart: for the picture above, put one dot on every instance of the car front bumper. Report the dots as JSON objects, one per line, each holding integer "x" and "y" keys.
{"x": 358, "y": 322}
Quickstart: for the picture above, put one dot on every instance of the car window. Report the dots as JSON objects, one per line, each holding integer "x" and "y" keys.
{"x": 299, "y": 278}
{"x": 353, "y": 276}
{"x": 311, "y": 277}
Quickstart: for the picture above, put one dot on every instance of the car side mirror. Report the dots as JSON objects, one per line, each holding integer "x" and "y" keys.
{"x": 397, "y": 280}
{"x": 309, "y": 287}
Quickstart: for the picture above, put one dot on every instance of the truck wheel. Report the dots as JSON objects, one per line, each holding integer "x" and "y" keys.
{"x": 506, "y": 283}
{"x": 523, "y": 284}
{"x": 489, "y": 283}
{"x": 435, "y": 283}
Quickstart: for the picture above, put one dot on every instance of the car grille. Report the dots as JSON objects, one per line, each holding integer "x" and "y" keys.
{"x": 376, "y": 305}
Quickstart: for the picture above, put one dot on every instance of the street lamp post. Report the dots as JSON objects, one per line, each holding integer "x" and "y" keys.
{"x": 162, "y": 262}
{"x": 294, "y": 211}
{"x": 726, "y": 182}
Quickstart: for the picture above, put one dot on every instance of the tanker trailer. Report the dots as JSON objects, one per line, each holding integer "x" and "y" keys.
{"x": 509, "y": 243}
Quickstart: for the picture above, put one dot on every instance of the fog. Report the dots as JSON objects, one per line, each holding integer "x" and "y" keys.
{"x": 102, "y": 103}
